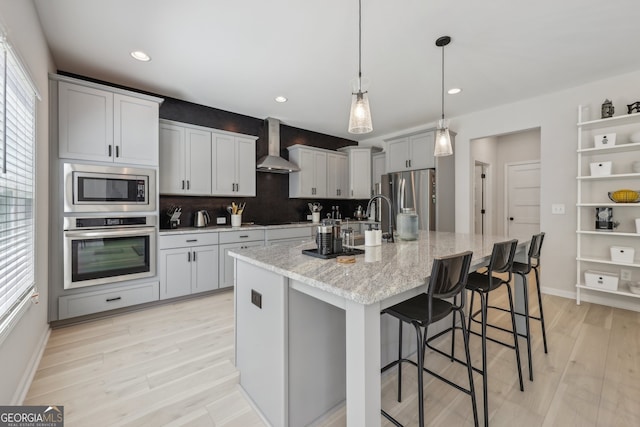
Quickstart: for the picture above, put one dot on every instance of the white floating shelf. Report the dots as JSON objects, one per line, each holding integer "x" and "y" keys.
{"x": 607, "y": 205}
{"x": 606, "y": 261}
{"x": 616, "y": 176}
{"x": 608, "y": 233}
{"x": 618, "y": 292}
{"x": 610, "y": 149}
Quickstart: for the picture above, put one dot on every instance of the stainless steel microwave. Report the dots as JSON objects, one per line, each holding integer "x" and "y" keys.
{"x": 96, "y": 188}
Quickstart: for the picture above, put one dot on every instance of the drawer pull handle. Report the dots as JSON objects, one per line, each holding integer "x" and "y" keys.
{"x": 244, "y": 236}
{"x": 192, "y": 240}
{"x": 114, "y": 299}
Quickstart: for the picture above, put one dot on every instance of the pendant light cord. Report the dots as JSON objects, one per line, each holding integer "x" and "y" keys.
{"x": 443, "y": 82}
{"x": 359, "y": 45}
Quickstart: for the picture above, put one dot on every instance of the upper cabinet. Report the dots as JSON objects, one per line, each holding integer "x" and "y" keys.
{"x": 234, "y": 165}
{"x": 359, "y": 171}
{"x": 378, "y": 168}
{"x": 195, "y": 160}
{"x": 411, "y": 152}
{"x": 185, "y": 160}
{"x": 337, "y": 177}
{"x": 311, "y": 180}
{"x": 96, "y": 123}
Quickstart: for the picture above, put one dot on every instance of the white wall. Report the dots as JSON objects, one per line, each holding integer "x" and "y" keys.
{"x": 556, "y": 116}
{"x": 19, "y": 351}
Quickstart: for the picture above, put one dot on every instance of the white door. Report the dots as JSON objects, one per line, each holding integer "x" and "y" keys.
{"x": 224, "y": 161}
{"x": 246, "y": 167}
{"x": 135, "y": 130}
{"x": 523, "y": 199}
{"x": 172, "y": 159}
{"x": 198, "y": 162}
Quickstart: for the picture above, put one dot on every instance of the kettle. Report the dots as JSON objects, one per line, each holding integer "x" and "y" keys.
{"x": 201, "y": 218}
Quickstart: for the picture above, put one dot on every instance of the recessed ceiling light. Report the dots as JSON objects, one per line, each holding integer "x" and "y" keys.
{"x": 140, "y": 56}
{"x": 281, "y": 98}
{"x": 454, "y": 90}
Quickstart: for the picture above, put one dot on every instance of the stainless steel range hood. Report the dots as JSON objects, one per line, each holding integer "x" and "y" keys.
{"x": 272, "y": 162}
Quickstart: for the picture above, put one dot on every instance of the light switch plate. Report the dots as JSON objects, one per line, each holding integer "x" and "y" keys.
{"x": 221, "y": 220}
{"x": 309, "y": 217}
{"x": 557, "y": 209}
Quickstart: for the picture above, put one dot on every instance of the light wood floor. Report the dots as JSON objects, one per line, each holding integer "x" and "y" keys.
{"x": 173, "y": 365}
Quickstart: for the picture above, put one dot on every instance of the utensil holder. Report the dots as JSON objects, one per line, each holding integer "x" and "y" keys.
{"x": 236, "y": 220}
{"x": 315, "y": 217}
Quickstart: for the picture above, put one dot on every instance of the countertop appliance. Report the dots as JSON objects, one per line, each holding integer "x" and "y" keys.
{"x": 96, "y": 188}
{"x": 100, "y": 250}
{"x": 410, "y": 190}
{"x": 201, "y": 218}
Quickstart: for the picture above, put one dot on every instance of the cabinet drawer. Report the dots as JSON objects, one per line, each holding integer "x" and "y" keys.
{"x": 97, "y": 301}
{"x": 184, "y": 240}
{"x": 241, "y": 236}
{"x": 287, "y": 233}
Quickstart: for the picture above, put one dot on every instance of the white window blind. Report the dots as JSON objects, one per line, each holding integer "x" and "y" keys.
{"x": 17, "y": 141}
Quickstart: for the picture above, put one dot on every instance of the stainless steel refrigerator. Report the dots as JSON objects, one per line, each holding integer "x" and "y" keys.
{"x": 412, "y": 189}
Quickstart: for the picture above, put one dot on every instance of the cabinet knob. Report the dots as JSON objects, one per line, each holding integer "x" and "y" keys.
{"x": 510, "y": 218}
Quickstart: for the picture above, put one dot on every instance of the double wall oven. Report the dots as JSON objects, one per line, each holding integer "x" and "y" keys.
{"x": 110, "y": 224}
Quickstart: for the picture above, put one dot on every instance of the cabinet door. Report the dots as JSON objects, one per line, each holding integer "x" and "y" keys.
{"x": 307, "y": 174}
{"x": 360, "y": 173}
{"x": 135, "y": 132}
{"x": 224, "y": 165}
{"x": 226, "y": 273}
{"x": 377, "y": 170}
{"x": 172, "y": 159}
{"x": 85, "y": 117}
{"x": 334, "y": 176}
{"x": 175, "y": 272}
{"x": 320, "y": 161}
{"x": 245, "y": 167}
{"x": 398, "y": 155}
{"x": 204, "y": 268}
{"x": 198, "y": 166}
{"x": 421, "y": 151}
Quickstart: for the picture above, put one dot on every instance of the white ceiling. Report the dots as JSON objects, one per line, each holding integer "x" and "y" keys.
{"x": 238, "y": 55}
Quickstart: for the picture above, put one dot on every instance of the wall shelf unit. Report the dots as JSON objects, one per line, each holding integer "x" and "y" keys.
{"x": 593, "y": 246}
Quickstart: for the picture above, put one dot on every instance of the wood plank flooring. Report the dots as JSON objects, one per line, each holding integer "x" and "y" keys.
{"x": 172, "y": 365}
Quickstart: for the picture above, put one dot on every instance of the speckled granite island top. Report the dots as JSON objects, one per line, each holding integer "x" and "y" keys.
{"x": 382, "y": 272}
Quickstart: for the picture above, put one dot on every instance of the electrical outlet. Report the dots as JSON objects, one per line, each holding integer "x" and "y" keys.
{"x": 557, "y": 209}
{"x": 256, "y": 298}
{"x": 221, "y": 220}
{"x": 309, "y": 217}
{"x": 625, "y": 274}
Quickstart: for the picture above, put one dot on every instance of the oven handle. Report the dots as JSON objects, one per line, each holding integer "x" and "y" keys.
{"x": 118, "y": 232}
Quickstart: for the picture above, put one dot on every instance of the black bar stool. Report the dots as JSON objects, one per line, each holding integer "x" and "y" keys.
{"x": 448, "y": 279}
{"x": 501, "y": 262}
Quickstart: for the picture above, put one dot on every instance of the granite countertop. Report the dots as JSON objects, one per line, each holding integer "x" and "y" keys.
{"x": 383, "y": 271}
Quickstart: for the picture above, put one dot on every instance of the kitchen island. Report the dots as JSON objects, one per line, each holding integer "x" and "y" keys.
{"x": 309, "y": 331}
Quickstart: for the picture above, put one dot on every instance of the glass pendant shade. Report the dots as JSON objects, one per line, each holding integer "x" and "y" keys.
{"x": 360, "y": 117}
{"x": 443, "y": 140}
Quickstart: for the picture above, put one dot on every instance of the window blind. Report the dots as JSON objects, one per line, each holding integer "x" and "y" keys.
{"x": 17, "y": 141}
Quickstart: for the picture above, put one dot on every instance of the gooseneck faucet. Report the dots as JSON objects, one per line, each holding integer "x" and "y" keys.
{"x": 380, "y": 196}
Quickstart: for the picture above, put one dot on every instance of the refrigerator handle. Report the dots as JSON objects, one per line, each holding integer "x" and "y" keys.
{"x": 401, "y": 194}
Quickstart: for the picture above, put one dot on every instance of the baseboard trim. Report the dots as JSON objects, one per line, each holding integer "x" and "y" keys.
{"x": 27, "y": 378}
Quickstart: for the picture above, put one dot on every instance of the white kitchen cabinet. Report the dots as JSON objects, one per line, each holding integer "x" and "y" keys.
{"x": 235, "y": 240}
{"x": 185, "y": 160}
{"x": 337, "y": 176}
{"x": 359, "y": 171}
{"x": 311, "y": 180}
{"x": 297, "y": 234}
{"x": 188, "y": 264}
{"x": 378, "y": 168}
{"x": 593, "y": 246}
{"x": 96, "y": 123}
{"x": 234, "y": 165}
{"x": 411, "y": 152}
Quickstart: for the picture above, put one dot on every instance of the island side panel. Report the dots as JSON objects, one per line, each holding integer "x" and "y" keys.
{"x": 317, "y": 354}
{"x": 261, "y": 339}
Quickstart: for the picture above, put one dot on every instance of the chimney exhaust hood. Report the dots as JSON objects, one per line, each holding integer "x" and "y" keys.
{"x": 272, "y": 162}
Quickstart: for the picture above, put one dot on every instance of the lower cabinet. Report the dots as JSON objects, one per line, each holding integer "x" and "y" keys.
{"x": 188, "y": 264}
{"x": 97, "y": 301}
{"x": 235, "y": 240}
{"x": 288, "y": 235}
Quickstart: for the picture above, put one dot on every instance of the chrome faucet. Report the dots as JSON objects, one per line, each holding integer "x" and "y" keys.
{"x": 389, "y": 237}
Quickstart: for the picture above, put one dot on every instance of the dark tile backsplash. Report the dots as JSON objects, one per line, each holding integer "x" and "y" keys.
{"x": 272, "y": 204}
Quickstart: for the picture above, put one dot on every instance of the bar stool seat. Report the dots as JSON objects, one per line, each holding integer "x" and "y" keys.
{"x": 447, "y": 281}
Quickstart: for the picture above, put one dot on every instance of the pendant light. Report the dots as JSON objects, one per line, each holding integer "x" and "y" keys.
{"x": 360, "y": 117}
{"x": 443, "y": 139}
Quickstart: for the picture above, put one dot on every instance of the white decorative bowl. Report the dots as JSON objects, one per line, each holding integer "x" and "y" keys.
{"x": 634, "y": 288}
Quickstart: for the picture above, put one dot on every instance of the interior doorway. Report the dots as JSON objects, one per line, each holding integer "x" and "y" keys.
{"x": 480, "y": 202}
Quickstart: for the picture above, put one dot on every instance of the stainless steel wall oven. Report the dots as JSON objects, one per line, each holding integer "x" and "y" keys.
{"x": 96, "y": 188}
{"x": 99, "y": 250}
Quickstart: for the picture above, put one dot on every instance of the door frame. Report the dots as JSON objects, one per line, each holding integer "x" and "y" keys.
{"x": 506, "y": 190}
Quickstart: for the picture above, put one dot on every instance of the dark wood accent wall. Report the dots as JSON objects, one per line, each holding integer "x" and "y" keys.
{"x": 272, "y": 204}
